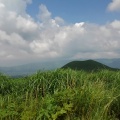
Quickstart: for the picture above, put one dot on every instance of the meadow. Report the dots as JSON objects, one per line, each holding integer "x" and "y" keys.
{"x": 61, "y": 95}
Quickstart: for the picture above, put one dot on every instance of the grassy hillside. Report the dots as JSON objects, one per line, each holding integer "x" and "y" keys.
{"x": 61, "y": 95}
{"x": 88, "y": 65}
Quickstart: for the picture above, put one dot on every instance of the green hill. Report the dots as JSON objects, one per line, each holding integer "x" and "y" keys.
{"x": 87, "y": 65}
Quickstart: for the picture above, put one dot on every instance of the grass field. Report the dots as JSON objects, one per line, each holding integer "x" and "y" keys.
{"x": 61, "y": 95}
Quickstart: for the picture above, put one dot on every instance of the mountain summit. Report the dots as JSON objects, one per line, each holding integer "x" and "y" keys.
{"x": 87, "y": 65}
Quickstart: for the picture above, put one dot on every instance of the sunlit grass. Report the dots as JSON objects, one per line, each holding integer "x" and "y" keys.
{"x": 61, "y": 95}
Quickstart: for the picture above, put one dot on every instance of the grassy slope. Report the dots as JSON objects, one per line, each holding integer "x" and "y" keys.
{"x": 88, "y": 65}
{"x": 61, "y": 95}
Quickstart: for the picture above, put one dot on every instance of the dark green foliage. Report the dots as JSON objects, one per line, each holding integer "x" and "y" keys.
{"x": 88, "y": 65}
{"x": 61, "y": 95}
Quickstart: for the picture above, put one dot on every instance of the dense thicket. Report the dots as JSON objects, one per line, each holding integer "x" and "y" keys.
{"x": 61, "y": 95}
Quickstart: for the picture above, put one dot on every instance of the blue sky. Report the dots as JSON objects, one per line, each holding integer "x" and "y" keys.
{"x": 42, "y": 30}
{"x": 72, "y": 11}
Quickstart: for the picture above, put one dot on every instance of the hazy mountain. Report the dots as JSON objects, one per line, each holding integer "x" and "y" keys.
{"x": 31, "y": 68}
{"x": 50, "y": 65}
{"x": 114, "y": 63}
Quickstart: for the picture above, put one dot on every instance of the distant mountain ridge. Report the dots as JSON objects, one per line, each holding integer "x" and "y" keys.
{"x": 114, "y": 63}
{"x": 27, "y": 69}
{"x": 87, "y": 65}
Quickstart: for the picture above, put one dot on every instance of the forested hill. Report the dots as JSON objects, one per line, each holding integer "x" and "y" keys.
{"x": 87, "y": 65}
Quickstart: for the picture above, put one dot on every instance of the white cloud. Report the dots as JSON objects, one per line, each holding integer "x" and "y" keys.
{"x": 23, "y": 40}
{"x": 114, "y": 5}
{"x": 12, "y": 39}
{"x": 116, "y": 24}
{"x": 26, "y": 24}
{"x": 59, "y": 20}
{"x": 19, "y": 6}
{"x": 2, "y": 5}
{"x": 39, "y": 47}
{"x": 44, "y": 14}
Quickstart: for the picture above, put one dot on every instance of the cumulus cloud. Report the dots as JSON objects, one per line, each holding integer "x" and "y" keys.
{"x": 44, "y": 14}
{"x": 24, "y": 40}
{"x": 116, "y": 24}
{"x": 114, "y": 5}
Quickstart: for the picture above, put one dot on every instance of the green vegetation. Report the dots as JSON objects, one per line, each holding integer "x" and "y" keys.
{"x": 61, "y": 95}
{"x": 88, "y": 65}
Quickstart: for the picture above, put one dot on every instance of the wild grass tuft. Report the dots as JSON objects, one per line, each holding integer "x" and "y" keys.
{"x": 61, "y": 95}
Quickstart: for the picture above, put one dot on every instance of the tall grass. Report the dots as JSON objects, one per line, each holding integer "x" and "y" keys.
{"x": 61, "y": 95}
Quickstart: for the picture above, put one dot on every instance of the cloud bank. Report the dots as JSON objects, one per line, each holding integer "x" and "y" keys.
{"x": 24, "y": 40}
{"x": 114, "y": 5}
